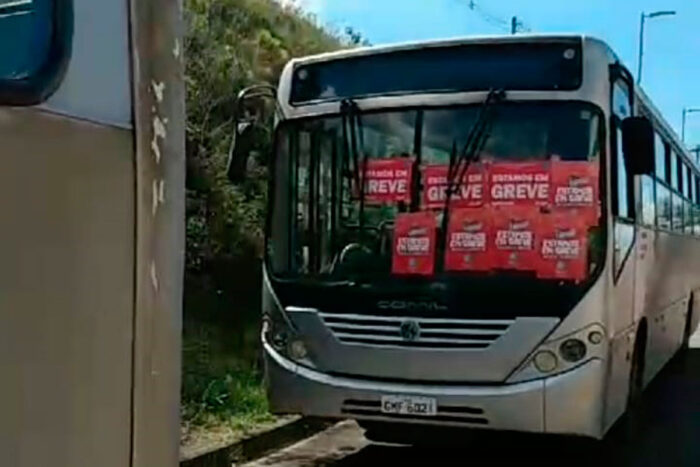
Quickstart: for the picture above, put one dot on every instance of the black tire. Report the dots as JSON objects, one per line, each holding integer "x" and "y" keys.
{"x": 634, "y": 412}
{"x": 687, "y": 332}
{"x": 636, "y": 379}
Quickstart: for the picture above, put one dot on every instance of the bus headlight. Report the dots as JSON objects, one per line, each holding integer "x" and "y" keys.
{"x": 572, "y": 350}
{"x": 275, "y": 334}
{"x": 545, "y": 361}
{"x": 284, "y": 339}
{"x": 297, "y": 350}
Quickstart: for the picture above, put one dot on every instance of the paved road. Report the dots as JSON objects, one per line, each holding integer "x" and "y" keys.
{"x": 668, "y": 434}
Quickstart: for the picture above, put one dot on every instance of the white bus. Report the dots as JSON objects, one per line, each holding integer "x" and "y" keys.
{"x": 492, "y": 233}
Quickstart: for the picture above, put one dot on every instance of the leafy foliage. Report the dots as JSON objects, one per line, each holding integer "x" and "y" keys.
{"x": 218, "y": 385}
{"x": 232, "y": 44}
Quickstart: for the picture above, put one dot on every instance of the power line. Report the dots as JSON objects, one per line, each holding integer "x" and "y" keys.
{"x": 513, "y": 26}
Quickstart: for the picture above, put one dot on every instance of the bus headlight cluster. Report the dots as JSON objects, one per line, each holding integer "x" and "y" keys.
{"x": 563, "y": 354}
{"x": 283, "y": 339}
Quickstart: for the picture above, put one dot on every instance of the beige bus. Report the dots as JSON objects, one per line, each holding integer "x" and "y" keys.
{"x": 92, "y": 197}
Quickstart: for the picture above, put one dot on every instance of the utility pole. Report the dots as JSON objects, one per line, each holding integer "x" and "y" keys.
{"x": 514, "y": 25}
{"x": 642, "y": 20}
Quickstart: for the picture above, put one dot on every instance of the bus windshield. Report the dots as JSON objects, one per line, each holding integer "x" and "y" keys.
{"x": 364, "y": 201}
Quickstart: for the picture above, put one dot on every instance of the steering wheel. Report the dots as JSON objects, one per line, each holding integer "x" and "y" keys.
{"x": 349, "y": 254}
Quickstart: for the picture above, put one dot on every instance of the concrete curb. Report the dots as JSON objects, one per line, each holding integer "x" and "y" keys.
{"x": 260, "y": 444}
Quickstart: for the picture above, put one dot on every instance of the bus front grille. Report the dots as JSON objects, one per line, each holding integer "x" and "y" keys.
{"x": 445, "y": 414}
{"x": 426, "y": 333}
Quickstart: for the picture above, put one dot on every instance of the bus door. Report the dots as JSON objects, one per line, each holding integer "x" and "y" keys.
{"x": 624, "y": 261}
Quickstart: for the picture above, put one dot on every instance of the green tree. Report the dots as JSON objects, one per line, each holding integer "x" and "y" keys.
{"x": 231, "y": 44}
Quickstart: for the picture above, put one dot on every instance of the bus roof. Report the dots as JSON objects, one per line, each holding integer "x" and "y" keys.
{"x": 388, "y": 48}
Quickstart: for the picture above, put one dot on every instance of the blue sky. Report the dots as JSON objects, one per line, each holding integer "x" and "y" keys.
{"x": 672, "y": 46}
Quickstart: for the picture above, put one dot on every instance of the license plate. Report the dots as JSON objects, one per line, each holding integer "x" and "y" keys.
{"x": 408, "y": 405}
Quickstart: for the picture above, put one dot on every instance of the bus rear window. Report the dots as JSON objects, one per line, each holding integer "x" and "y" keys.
{"x": 472, "y": 67}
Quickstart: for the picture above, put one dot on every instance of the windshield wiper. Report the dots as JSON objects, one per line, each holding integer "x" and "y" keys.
{"x": 478, "y": 135}
{"x": 352, "y": 125}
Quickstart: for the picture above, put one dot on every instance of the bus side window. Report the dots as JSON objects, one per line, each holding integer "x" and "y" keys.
{"x": 35, "y": 38}
{"x": 660, "y": 154}
{"x": 667, "y": 164}
{"x": 663, "y": 206}
{"x": 677, "y": 212}
{"x": 689, "y": 184}
{"x": 621, "y": 192}
{"x": 675, "y": 174}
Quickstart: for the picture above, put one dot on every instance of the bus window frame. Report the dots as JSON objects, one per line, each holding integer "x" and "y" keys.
{"x": 620, "y": 76}
{"x": 674, "y": 175}
{"x": 668, "y": 177}
{"x": 690, "y": 183}
{"x": 38, "y": 87}
{"x": 659, "y": 156}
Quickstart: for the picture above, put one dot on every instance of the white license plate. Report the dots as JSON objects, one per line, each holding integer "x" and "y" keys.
{"x": 408, "y": 405}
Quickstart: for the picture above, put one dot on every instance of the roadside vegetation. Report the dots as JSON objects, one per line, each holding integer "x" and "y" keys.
{"x": 230, "y": 44}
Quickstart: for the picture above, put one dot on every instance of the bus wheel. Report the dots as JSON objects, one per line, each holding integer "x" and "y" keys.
{"x": 688, "y": 324}
{"x": 633, "y": 414}
{"x": 636, "y": 383}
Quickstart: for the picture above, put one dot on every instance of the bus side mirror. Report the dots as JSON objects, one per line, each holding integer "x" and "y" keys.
{"x": 638, "y": 145}
{"x": 241, "y": 147}
{"x": 246, "y": 121}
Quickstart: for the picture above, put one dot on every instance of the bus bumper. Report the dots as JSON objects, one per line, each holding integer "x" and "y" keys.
{"x": 570, "y": 403}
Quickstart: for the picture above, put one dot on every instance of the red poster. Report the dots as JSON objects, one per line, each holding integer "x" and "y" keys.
{"x": 414, "y": 243}
{"x": 468, "y": 237}
{"x": 519, "y": 183}
{"x": 388, "y": 180}
{"x": 515, "y": 235}
{"x": 470, "y": 193}
{"x": 575, "y": 186}
{"x": 563, "y": 247}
